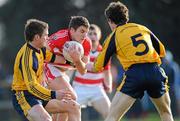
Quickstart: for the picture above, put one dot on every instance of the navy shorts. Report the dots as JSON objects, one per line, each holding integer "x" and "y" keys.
{"x": 23, "y": 101}
{"x": 144, "y": 77}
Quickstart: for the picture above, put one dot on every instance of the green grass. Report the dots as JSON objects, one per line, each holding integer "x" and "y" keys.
{"x": 150, "y": 117}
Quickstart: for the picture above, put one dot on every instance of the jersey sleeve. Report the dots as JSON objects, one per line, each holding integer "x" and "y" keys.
{"x": 109, "y": 48}
{"x": 57, "y": 40}
{"x": 87, "y": 47}
{"x": 48, "y": 55}
{"x": 30, "y": 78}
{"x": 158, "y": 46}
{"x": 108, "y": 65}
{"x": 52, "y": 44}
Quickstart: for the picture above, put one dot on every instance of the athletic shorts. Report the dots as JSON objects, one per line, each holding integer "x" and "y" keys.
{"x": 51, "y": 72}
{"x": 87, "y": 94}
{"x": 148, "y": 77}
{"x": 23, "y": 101}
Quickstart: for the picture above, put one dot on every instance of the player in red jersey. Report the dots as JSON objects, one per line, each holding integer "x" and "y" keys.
{"x": 89, "y": 87}
{"x": 56, "y": 77}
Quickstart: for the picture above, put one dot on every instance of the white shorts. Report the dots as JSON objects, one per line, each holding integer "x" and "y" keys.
{"x": 51, "y": 72}
{"x": 87, "y": 94}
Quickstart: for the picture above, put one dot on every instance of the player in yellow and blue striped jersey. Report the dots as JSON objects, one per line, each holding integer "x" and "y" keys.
{"x": 139, "y": 51}
{"x": 30, "y": 98}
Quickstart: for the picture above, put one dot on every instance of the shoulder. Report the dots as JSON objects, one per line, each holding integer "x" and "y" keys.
{"x": 99, "y": 48}
{"x": 21, "y": 50}
{"x": 61, "y": 34}
{"x": 130, "y": 29}
{"x": 87, "y": 43}
{"x": 139, "y": 26}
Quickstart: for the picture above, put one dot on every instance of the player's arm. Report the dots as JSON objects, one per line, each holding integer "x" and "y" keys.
{"x": 51, "y": 47}
{"x": 158, "y": 46}
{"x": 81, "y": 66}
{"x": 79, "y": 63}
{"x": 29, "y": 68}
{"x": 109, "y": 48}
{"x": 30, "y": 78}
{"x": 53, "y": 58}
{"x": 107, "y": 80}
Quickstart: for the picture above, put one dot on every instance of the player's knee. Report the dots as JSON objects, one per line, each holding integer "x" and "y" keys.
{"x": 105, "y": 113}
{"x": 166, "y": 105}
{"x": 38, "y": 117}
{"x": 38, "y": 114}
{"x": 75, "y": 108}
{"x": 165, "y": 110}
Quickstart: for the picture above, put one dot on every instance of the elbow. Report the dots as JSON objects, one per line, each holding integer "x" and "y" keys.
{"x": 30, "y": 88}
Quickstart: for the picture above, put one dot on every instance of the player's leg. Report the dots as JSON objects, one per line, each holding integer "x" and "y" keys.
{"x": 101, "y": 102}
{"x": 38, "y": 113}
{"x": 29, "y": 107}
{"x": 158, "y": 91}
{"x": 83, "y": 93}
{"x": 58, "y": 80}
{"x": 71, "y": 107}
{"x": 127, "y": 93}
{"x": 163, "y": 106}
{"x": 60, "y": 83}
{"x": 102, "y": 106}
{"x": 60, "y": 117}
{"x": 119, "y": 106}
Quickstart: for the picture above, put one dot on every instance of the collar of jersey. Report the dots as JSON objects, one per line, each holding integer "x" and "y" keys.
{"x": 34, "y": 49}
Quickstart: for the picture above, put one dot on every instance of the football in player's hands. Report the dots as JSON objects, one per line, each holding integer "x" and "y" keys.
{"x": 71, "y": 46}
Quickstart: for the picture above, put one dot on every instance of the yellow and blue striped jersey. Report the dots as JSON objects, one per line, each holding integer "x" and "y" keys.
{"x": 132, "y": 43}
{"x": 28, "y": 71}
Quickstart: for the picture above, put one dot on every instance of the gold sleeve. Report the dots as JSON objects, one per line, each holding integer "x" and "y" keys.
{"x": 109, "y": 48}
{"x": 157, "y": 44}
{"x": 30, "y": 78}
{"x": 48, "y": 55}
{"x": 162, "y": 50}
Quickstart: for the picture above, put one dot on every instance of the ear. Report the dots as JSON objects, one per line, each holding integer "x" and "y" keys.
{"x": 36, "y": 37}
{"x": 110, "y": 21}
{"x": 72, "y": 29}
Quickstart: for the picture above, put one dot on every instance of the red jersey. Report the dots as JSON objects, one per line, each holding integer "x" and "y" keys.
{"x": 58, "y": 39}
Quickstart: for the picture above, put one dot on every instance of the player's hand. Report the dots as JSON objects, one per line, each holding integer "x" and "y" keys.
{"x": 63, "y": 94}
{"x": 90, "y": 66}
{"x": 72, "y": 93}
{"x": 74, "y": 52}
{"x": 108, "y": 89}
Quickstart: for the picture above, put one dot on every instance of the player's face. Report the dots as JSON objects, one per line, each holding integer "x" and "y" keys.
{"x": 79, "y": 34}
{"x": 93, "y": 35}
{"x": 44, "y": 38}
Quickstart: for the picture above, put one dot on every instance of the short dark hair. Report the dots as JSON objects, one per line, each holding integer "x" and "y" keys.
{"x": 33, "y": 27}
{"x": 117, "y": 12}
{"x": 77, "y": 21}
